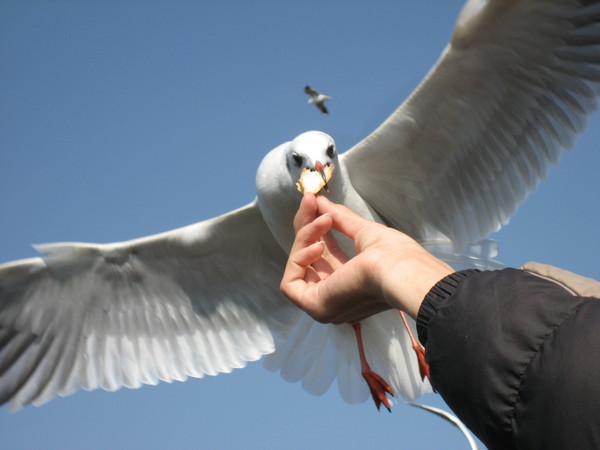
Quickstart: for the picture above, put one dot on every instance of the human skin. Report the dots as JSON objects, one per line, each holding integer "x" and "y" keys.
{"x": 390, "y": 269}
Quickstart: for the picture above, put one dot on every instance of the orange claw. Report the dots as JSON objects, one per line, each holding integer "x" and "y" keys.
{"x": 377, "y": 385}
{"x": 418, "y": 348}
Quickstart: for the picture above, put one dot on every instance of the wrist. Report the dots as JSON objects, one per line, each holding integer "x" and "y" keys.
{"x": 405, "y": 285}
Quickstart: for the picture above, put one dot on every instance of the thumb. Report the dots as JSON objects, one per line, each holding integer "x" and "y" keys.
{"x": 344, "y": 219}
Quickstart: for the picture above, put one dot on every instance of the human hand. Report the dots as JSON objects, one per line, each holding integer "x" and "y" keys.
{"x": 390, "y": 270}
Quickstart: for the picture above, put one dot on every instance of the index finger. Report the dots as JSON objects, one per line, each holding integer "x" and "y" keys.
{"x": 307, "y": 211}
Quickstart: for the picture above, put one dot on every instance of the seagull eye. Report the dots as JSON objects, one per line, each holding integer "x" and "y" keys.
{"x": 297, "y": 159}
{"x": 330, "y": 151}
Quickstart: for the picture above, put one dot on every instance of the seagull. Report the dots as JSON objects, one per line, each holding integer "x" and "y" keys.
{"x": 317, "y": 99}
{"x": 508, "y": 94}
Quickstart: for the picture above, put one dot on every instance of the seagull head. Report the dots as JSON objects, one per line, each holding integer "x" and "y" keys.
{"x": 277, "y": 194}
{"x": 314, "y": 151}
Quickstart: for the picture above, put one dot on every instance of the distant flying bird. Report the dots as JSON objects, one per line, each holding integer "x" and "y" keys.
{"x": 449, "y": 166}
{"x": 317, "y": 99}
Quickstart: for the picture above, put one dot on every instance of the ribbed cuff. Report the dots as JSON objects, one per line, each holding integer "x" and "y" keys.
{"x": 441, "y": 291}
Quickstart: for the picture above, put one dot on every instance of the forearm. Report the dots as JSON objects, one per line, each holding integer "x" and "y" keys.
{"x": 486, "y": 334}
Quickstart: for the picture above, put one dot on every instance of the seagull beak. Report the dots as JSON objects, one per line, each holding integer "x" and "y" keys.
{"x": 319, "y": 167}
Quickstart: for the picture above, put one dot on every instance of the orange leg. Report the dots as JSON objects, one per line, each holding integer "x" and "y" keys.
{"x": 418, "y": 348}
{"x": 377, "y": 385}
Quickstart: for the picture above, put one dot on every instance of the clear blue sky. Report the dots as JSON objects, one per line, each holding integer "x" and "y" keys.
{"x": 120, "y": 119}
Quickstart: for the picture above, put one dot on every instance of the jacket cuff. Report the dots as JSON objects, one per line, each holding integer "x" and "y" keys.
{"x": 442, "y": 290}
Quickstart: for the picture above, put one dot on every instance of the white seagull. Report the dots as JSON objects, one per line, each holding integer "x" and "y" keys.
{"x": 317, "y": 99}
{"x": 511, "y": 90}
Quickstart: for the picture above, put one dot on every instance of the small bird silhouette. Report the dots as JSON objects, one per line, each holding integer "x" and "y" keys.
{"x": 317, "y": 99}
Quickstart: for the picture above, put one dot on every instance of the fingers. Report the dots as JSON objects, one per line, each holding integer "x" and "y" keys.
{"x": 298, "y": 272}
{"x": 344, "y": 219}
{"x": 312, "y": 232}
{"x": 307, "y": 212}
{"x": 307, "y": 250}
{"x": 319, "y": 278}
{"x": 333, "y": 249}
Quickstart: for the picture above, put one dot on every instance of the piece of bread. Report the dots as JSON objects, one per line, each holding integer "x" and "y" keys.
{"x": 312, "y": 181}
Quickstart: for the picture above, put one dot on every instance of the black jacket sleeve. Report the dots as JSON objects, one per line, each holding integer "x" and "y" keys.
{"x": 516, "y": 357}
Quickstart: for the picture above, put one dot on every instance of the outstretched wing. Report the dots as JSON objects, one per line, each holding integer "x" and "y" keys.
{"x": 310, "y": 91}
{"x": 198, "y": 300}
{"x": 322, "y": 107}
{"x": 512, "y": 89}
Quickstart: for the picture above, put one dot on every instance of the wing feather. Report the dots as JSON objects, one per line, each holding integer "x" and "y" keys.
{"x": 200, "y": 300}
{"x": 509, "y": 93}
{"x": 317, "y": 354}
